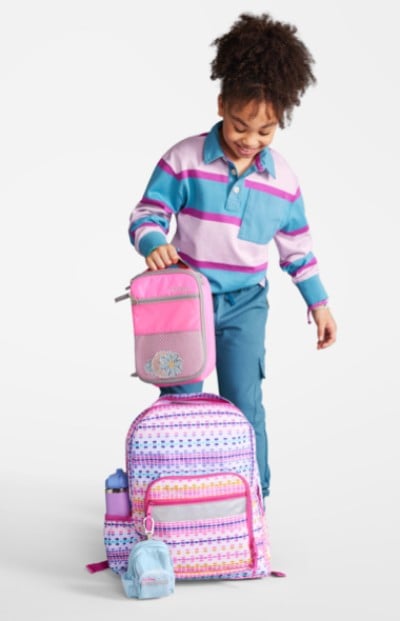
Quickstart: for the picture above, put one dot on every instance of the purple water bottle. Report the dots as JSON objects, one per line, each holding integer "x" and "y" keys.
{"x": 117, "y": 497}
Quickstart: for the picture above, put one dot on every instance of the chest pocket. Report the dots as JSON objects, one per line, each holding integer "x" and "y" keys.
{"x": 263, "y": 216}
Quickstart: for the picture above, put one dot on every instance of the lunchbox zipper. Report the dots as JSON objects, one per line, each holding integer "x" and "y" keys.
{"x": 168, "y": 298}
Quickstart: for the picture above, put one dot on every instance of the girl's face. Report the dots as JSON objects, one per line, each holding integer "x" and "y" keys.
{"x": 246, "y": 128}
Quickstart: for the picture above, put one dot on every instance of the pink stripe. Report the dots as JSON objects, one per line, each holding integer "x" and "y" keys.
{"x": 144, "y": 226}
{"x": 258, "y": 163}
{"x": 151, "y": 201}
{"x": 306, "y": 266}
{"x": 269, "y": 189}
{"x": 142, "y": 230}
{"x": 216, "y": 242}
{"x": 223, "y": 266}
{"x": 214, "y": 217}
{"x": 302, "y": 268}
{"x": 194, "y": 173}
{"x": 317, "y": 304}
{"x": 304, "y": 229}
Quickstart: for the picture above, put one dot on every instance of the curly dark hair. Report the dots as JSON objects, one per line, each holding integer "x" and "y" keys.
{"x": 262, "y": 59}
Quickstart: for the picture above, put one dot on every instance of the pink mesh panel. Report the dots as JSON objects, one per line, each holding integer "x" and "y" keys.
{"x": 169, "y": 355}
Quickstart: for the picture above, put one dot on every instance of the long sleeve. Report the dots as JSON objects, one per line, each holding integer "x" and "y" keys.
{"x": 294, "y": 245}
{"x": 150, "y": 220}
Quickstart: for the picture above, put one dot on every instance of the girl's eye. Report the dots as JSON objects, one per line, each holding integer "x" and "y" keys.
{"x": 242, "y": 131}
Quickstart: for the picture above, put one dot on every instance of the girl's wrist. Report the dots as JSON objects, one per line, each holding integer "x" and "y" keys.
{"x": 315, "y": 308}
{"x": 318, "y": 306}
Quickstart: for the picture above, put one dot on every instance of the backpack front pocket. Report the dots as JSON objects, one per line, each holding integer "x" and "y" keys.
{"x": 206, "y": 521}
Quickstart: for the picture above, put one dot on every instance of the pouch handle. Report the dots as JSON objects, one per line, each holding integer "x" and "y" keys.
{"x": 125, "y": 296}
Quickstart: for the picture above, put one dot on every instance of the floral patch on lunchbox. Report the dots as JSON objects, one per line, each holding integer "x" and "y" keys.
{"x": 165, "y": 364}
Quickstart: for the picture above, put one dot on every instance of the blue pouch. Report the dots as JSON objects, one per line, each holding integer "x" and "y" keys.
{"x": 150, "y": 572}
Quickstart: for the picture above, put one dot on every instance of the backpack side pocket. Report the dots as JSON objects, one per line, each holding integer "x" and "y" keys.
{"x": 119, "y": 538}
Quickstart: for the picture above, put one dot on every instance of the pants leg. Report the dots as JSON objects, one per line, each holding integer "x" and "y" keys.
{"x": 240, "y": 335}
{"x": 240, "y": 320}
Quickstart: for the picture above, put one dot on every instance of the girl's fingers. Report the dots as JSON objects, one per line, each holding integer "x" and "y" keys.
{"x": 162, "y": 257}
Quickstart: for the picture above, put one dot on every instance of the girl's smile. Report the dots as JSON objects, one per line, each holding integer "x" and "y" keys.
{"x": 246, "y": 129}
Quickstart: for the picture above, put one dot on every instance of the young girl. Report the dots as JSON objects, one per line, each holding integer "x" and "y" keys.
{"x": 231, "y": 194}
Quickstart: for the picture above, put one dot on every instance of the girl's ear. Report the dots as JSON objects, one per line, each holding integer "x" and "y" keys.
{"x": 220, "y": 106}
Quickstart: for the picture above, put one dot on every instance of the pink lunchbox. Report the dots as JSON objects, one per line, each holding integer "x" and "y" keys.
{"x": 173, "y": 325}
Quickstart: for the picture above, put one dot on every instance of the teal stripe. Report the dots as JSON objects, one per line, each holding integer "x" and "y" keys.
{"x": 291, "y": 268}
{"x": 158, "y": 220}
{"x": 225, "y": 282}
{"x": 296, "y": 217}
{"x": 312, "y": 290}
{"x": 166, "y": 189}
{"x": 150, "y": 242}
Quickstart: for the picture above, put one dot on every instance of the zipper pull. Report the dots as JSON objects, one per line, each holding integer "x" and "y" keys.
{"x": 148, "y": 531}
{"x": 124, "y": 296}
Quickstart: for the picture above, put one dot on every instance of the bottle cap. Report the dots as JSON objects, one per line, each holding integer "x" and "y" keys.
{"x": 118, "y": 480}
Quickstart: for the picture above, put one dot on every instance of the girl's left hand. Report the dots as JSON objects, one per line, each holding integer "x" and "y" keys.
{"x": 326, "y": 326}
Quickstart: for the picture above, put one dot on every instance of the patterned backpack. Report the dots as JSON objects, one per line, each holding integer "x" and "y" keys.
{"x": 194, "y": 484}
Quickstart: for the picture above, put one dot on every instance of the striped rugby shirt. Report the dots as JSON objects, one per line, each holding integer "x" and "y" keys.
{"x": 224, "y": 222}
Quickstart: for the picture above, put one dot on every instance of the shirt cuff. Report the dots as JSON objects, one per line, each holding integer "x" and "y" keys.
{"x": 319, "y": 304}
{"x": 313, "y": 291}
{"x": 150, "y": 242}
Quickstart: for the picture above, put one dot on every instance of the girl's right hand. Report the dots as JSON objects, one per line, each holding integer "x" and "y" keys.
{"x": 161, "y": 257}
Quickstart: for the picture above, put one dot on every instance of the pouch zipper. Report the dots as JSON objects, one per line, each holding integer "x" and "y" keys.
{"x": 167, "y": 298}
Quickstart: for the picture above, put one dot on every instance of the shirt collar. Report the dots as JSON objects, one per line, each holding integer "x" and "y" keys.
{"x": 213, "y": 150}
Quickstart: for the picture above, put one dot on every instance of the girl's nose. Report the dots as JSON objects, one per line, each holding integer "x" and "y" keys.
{"x": 250, "y": 143}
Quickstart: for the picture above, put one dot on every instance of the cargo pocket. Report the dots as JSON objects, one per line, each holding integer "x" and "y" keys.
{"x": 119, "y": 538}
{"x": 261, "y": 365}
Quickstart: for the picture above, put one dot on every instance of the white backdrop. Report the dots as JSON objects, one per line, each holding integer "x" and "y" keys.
{"x": 92, "y": 94}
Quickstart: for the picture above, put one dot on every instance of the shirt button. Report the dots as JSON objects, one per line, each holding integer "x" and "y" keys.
{"x": 234, "y": 172}
{"x": 236, "y": 189}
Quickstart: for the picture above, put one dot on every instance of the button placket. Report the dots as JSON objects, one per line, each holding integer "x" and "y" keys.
{"x": 234, "y": 198}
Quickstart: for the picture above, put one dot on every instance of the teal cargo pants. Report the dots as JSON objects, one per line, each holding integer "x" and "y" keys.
{"x": 240, "y": 320}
